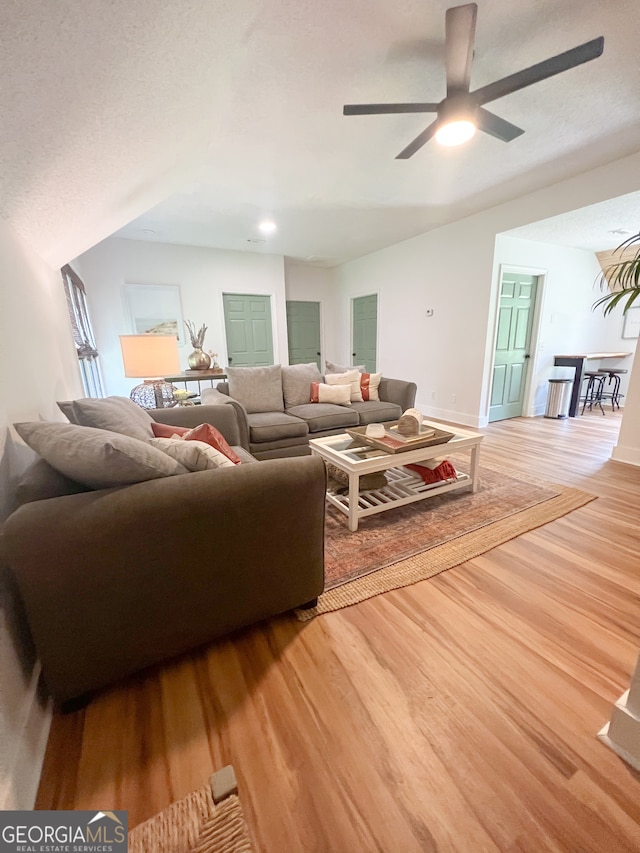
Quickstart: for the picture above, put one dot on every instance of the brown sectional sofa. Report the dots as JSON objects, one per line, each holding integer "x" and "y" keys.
{"x": 277, "y": 433}
{"x": 114, "y": 580}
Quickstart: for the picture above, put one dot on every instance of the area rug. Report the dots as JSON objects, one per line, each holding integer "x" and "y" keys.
{"x": 195, "y": 824}
{"x": 402, "y": 546}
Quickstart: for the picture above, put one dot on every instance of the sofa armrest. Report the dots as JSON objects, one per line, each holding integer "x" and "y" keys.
{"x": 398, "y": 391}
{"x": 230, "y": 422}
{"x": 213, "y": 397}
{"x": 117, "y": 579}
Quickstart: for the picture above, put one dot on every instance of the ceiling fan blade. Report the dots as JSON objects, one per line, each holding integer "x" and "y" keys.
{"x": 419, "y": 141}
{"x": 496, "y": 126}
{"x": 548, "y": 68}
{"x": 379, "y": 109}
{"x": 460, "y": 29}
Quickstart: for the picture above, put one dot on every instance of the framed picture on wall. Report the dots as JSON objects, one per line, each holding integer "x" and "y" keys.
{"x": 631, "y": 325}
{"x": 154, "y": 309}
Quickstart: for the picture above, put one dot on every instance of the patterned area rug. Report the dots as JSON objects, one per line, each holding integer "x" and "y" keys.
{"x": 411, "y": 543}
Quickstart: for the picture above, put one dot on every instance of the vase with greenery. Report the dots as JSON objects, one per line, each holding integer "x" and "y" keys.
{"x": 622, "y": 279}
{"x": 199, "y": 359}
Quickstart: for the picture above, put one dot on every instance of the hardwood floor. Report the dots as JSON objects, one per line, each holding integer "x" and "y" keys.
{"x": 458, "y": 715}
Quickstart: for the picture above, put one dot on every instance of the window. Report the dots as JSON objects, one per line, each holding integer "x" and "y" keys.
{"x": 82, "y": 332}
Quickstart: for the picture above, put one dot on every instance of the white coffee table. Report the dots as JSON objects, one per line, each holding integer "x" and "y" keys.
{"x": 403, "y": 486}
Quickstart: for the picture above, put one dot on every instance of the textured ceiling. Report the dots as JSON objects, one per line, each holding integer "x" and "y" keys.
{"x": 192, "y": 119}
{"x": 597, "y": 227}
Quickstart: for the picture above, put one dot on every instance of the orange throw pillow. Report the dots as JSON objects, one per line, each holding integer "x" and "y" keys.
{"x": 205, "y": 432}
{"x": 166, "y": 430}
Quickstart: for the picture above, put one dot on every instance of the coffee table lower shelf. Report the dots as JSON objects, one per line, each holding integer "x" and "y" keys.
{"x": 402, "y": 488}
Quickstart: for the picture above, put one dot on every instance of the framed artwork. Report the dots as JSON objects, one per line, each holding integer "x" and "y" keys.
{"x": 154, "y": 309}
{"x": 631, "y": 326}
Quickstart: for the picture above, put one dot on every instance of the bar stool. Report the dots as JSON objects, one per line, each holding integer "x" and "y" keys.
{"x": 613, "y": 375}
{"x": 593, "y": 392}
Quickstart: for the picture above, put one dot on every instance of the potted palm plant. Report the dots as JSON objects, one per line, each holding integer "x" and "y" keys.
{"x": 622, "y": 279}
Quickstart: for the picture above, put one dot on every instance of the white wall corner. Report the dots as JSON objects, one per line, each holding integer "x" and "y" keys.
{"x": 622, "y": 733}
{"x": 628, "y": 455}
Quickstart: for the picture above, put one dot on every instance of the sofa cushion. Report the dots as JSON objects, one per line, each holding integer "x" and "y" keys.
{"x": 272, "y": 426}
{"x": 350, "y": 378}
{"x": 296, "y": 381}
{"x": 194, "y": 455}
{"x": 259, "y": 389}
{"x": 115, "y": 414}
{"x": 321, "y": 416}
{"x": 96, "y": 457}
{"x": 337, "y": 368}
{"x": 373, "y": 412}
{"x": 340, "y": 395}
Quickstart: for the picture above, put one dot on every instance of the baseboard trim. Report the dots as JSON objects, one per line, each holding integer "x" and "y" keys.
{"x": 628, "y": 455}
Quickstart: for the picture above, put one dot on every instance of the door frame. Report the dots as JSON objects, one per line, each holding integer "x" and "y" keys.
{"x": 375, "y": 293}
{"x": 528, "y": 401}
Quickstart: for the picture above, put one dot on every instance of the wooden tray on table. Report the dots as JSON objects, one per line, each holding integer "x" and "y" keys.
{"x": 391, "y": 443}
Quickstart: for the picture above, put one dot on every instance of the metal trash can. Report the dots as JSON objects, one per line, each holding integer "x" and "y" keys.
{"x": 558, "y": 398}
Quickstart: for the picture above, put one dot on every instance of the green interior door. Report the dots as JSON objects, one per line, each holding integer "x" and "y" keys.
{"x": 303, "y": 331}
{"x": 365, "y": 331}
{"x": 515, "y": 321}
{"x": 247, "y": 322}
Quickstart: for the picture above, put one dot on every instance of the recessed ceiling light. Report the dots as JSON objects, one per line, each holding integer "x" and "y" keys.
{"x": 255, "y": 240}
{"x": 267, "y": 226}
{"x": 620, "y": 231}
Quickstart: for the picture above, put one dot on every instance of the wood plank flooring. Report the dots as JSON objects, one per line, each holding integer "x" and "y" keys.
{"x": 458, "y": 715}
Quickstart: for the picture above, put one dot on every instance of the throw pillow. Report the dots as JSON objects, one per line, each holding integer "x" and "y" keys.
{"x": 330, "y": 367}
{"x": 259, "y": 389}
{"x": 296, "y": 379}
{"x": 435, "y": 471}
{"x": 194, "y": 455}
{"x": 338, "y": 394}
{"x": 66, "y": 407}
{"x": 115, "y": 414}
{"x": 350, "y": 378}
{"x": 204, "y": 432}
{"x": 369, "y": 384}
{"x": 96, "y": 457}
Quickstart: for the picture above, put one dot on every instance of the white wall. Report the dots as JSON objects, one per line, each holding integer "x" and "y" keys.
{"x": 439, "y": 353}
{"x": 307, "y": 283}
{"x": 628, "y": 447}
{"x": 452, "y": 270}
{"x": 38, "y": 366}
{"x": 567, "y": 323}
{"x": 203, "y": 276}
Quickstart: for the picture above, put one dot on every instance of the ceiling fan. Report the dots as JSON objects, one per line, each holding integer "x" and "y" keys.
{"x": 462, "y": 111}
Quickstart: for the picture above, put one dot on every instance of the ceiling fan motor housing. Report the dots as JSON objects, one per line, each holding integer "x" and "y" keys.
{"x": 458, "y": 107}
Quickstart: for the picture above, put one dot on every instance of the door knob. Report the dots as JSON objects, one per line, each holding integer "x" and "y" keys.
{"x": 526, "y": 355}
{"x": 353, "y": 354}
{"x": 317, "y": 353}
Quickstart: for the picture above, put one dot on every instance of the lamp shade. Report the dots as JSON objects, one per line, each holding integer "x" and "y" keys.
{"x": 147, "y": 356}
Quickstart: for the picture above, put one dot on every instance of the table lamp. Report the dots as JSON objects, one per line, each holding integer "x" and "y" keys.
{"x": 147, "y": 356}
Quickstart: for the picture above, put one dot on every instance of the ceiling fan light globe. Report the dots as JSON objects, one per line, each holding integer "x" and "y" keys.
{"x": 455, "y": 132}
